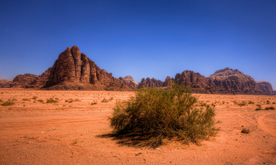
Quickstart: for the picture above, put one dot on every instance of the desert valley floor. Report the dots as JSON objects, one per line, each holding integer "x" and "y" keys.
{"x": 71, "y": 131}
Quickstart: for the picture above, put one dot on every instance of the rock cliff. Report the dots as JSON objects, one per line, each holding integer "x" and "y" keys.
{"x": 23, "y": 81}
{"x": 4, "y": 83}
{"x": 265, "y": 86}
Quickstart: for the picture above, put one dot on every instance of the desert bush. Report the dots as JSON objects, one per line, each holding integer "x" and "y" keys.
{"x": 274, "y": 103}
{"x": 259, "y": 107}
{"x": 8, "y": 103}
{"x": 26, "y": 99}
{"x": 270, "y": 108}
{"x": 267, "y": 102}
{"x": 104, "y": 100}
{"x": 93, "y": 103}
{"x": 246, "y": 131}
{"x": 34, "y": 97}
{"x": 77, "y": 100}
{"x": 40, "y": 100}
{"x": 155, "y": 114}
{"x": 51, "y": 100}
{"x": 251, "y": 102}
{"x": 1, "y": 101}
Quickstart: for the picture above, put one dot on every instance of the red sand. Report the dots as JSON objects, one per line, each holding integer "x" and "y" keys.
{"x": 68, "y": 133}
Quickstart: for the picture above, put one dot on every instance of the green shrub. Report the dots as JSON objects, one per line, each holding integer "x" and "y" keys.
{"x": 51, "y": 100}
{"x": 93, "y": 103}
{"x": 242, "y": 104}
{"x": 8, "y": 103}
{"x": 259, "y": 107}
{"x": 270, "y": 108}
{"x": 246, "y": 131}
{"x": 155, "y": 114}
{"x": 250, "y": 102}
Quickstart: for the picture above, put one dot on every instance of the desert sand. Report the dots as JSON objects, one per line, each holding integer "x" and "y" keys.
{"x": 71, "y": 132}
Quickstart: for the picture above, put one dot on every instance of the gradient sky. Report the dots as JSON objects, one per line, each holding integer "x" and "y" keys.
{"x": 143, "y": 38}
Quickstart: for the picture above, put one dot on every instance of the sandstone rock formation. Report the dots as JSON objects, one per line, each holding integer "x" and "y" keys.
{"x": 23, "y": 81}
{"x": 41, "y": 80}
{"x": 224, "y": 81}
{"x": 130, "y": 79}
{"x": 75, "y": 69}
{"x": 265, "y": 86}
{"x": 233, "y": 81}
{"x": 274, "y": 92}
{"x": 4, "y": 83}
{"x": 150, "y": 83}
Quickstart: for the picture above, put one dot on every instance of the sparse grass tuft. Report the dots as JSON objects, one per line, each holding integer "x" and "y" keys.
{"x": 157, "y": 114}
{"x": 77, "y": 100}
{"x": 267, "y": 102}
{"x": 246, "y": 131}
{"x": 251, "y": 102}
{"x": 270, "y": 108}
{"x": 259, "y": 107}
{"x": 104, "y": 100}
{"x": 34, "y": 97}
{"x": 75, "y": 141}
{"x": 26, "y": 99}
{"x": 8, "y": 103}
{"x": 51, "y": 100}
{"x": 94, "y": 103}
{"x": 40, "y": 100}
{"x": 242, "y": 104}
{"x": 1, "y": 101}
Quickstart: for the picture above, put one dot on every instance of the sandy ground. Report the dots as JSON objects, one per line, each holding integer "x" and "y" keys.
{"x": 32, "y": 132}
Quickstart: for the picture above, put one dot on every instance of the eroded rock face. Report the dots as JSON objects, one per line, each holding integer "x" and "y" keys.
{"x": 274, "y": 92}
{"x": 233, "y": 81}
{"x": 150, "y": 83}
{"x": 4, "y": 83}
{"x": 41, "y": 80}
{"x": 72, "y": 66}
{"x": 130, "y": 79}
{"x": 23, "y": 81}
{"x": 265, "y": 86}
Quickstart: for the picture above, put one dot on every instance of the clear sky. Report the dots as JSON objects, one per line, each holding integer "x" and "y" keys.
{"x": 141, "y": 38}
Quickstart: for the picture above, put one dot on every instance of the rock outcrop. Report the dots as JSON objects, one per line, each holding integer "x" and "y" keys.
{"x": 41, "y": 80}
{"x": 130, "y": 79}
{"x": 75, "y": 69}
{"x": 23, "y": 81}
{"x": 4, "y": 83}
{"x": 274, "y": 92}
{"x": 150, "y": 83}
{"x": 233, "y": 81}
{"x": 224, "y": 81}
{"x": 265, "y": 86}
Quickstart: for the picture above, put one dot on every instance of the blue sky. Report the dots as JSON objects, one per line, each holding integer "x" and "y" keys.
{"x": 145, "y": 38}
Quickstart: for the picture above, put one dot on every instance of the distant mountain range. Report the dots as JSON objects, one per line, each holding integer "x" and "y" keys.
{"x": 73, "y": 70}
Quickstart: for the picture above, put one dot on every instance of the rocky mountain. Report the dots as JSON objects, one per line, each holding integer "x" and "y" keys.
{"x": 265, "y": 86}
{"x": 41, "y": 80}
{"x": 224, "y": 81}
{"x": 74, "y": 70}
{"x": 150, "y": 83}
{"x": 233, "y": 81}
{"x": 130, "y": 79}
{"x": 274, "y": 92}
{"x": 23, "y": 81}
{"x": 4, "y": 83}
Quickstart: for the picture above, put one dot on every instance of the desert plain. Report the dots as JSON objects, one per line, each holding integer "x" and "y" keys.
{"x": 72, "y": 131}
